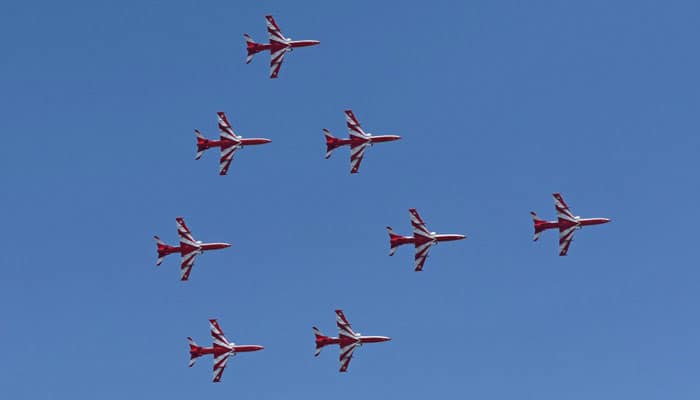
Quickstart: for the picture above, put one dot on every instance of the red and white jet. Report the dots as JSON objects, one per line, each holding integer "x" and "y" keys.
{"x": 278, "y": 46}
{"x": 222, "y": 349}
{"x": 228, "y": 141}
{"x": 566, "y": 222}
{"x": 358, "y": 141}
{"x": 189, "y": 248}
{"x": 347, "y": 339}
{"x": 422, "y": 239}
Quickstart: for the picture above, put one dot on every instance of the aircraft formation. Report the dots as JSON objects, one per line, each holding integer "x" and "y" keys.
{"x": 358, "y": 141}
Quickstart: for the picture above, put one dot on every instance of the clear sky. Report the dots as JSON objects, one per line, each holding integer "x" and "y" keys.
{"x": 499, "y": 103}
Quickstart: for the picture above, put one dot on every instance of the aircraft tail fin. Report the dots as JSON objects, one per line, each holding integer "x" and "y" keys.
{"x": 194, "y": 350}
{"x": 161, "y": 248}
{"x": 392, "y": 240}
{"x": 537, "y": 223}
{"x": 201, "y": 144}
{"x": 319, "y": 340}
{"x": 251, "y": 47}
{"x": 331, "y": 142}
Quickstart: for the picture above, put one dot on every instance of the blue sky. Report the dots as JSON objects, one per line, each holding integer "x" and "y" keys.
{"x": 499, "y": 104}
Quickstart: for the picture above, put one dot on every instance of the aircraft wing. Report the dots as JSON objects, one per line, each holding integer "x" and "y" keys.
{"x": 187, "y": 242}
{"x": 354, "y": 127}
{"x": 276, "y": 60}
{"x": 276, "y": 36}
{"x": 219, "y": 366}
{"x": 227, "y": 151}
{"x": 357, "y": 151}
{"x": 222, "y": 345}
{"x": 563, "y": 212}
{"x": 419, "y": 227}
{"x": 187, "y": 263}
{"x": 566, "y": 235}
{"x": 278, "y": 46}
{"x": 184, "y": 232}
{"x": 217, "y": 334}
{"x": 344, "y": 328}
{"x": 225, "y": 128}
{"x": 346, "y": 356}
{"x": 424, "y": 239}
{"x": 421, "y": 255}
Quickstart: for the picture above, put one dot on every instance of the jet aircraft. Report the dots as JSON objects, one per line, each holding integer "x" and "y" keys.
{"x": 347, "y": 339}
{"x": 422, "y": 239}
{"x": 189, "y": 248}
{"x": 229, "y": 142}
{"x": 221, "y": 349}
{"x": 358, "y": 141}
{"x": 278, "y": 46}
{"x": 566, "y": 222}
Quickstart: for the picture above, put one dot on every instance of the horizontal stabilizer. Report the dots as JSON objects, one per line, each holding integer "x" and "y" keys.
{"x": 193, "y": 350}
{"x": 319, "y": 337}
{"x": 331, "y": 143}
{"x": 251, "y": 47}
{"x": 161, "y": 246}
{"x": 392, "y": 237}
{"x": 536, "y": 220}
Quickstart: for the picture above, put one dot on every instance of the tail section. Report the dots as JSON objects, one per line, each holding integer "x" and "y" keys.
{"x": 162, "y": 249}
{"x": 538, "y": 225}
{"x": 251, "y": 47}
{"x": 319, "y": 340}
{"x": 392, "y": 240}
{"x": 331, "y": 143}
{"x": 194, "y": 351}
{"x": 201, "y": 144}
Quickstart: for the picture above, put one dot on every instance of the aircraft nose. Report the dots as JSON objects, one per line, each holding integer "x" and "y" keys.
{"x": 226, "y": 245}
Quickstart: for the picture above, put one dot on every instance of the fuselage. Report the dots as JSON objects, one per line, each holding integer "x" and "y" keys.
{"x": 401, "y": 240}
{"x": 370, "y": 139}
{"x": 218, "y": 350}
{"x": 208, "y": 144}
{"x": 565, "y": 224}
{"x": 344, "y": 341}
{"x": 275, "y": 46}
{"x": 302, "y": 43}
{"x": 186, "y": 249}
